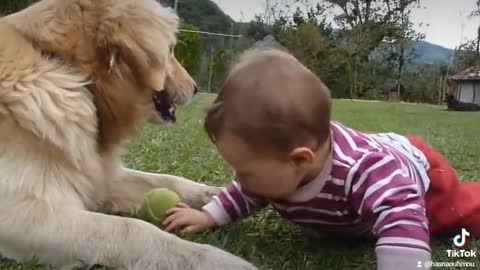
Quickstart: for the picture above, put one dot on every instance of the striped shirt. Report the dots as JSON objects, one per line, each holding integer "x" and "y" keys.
{"x": 371, "y": 184}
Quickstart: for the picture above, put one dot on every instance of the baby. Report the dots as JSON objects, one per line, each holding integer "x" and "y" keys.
{"x": 271, "y": 122}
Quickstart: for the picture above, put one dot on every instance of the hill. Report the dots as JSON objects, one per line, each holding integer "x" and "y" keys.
{"x": 428, "y": 53}
{"x": 204, "y": 14}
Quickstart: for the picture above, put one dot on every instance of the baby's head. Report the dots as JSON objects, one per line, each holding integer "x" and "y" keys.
{"x": 271, "y": 122}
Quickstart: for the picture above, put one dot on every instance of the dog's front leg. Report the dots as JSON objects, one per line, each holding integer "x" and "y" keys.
{"x": 61, "y": 236}
{"x": 127, "y": 192}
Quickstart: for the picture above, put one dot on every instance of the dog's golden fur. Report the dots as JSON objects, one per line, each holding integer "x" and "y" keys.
{"x": 76, "y": 80}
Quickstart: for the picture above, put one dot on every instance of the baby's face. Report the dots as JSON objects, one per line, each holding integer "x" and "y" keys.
{"x": 260, "y": 173}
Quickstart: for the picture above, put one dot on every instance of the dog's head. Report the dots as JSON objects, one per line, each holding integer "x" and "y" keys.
{"x": 178, "y": 89}
{"x": 126, "y": 46}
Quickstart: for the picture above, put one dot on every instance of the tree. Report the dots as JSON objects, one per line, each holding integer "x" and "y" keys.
{"x": 310, "y": 38}
{"x": 273, "y": 21}
{"x": 275, "y": 10}
{"x": 257, "y": 28}
{"x": 468, "y": 54}
{"x": 474, "y": 14}
{"x": 478, "y": 41}
{"x": 317, "y": 51}
{"x": 364, "y": 26}
{"x": 401, "y": 40}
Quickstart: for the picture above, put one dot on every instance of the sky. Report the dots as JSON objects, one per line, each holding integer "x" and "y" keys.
{"x": 445, "y": 22}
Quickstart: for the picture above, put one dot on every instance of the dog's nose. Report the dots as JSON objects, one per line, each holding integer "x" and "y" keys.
{"x": 195, "y": 90}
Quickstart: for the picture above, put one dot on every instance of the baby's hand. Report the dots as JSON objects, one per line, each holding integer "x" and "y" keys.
{"x": 190, "y": 220}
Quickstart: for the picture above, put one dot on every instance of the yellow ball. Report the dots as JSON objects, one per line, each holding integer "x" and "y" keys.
{"x": 156, "y": 203}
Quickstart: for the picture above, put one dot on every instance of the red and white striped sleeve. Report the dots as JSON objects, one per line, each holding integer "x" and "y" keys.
{"x": 233, "y": 203}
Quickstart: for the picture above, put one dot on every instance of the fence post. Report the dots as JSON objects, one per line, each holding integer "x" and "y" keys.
{"x": 440, "y": 86}
{"x": 210, "y": 71}
{"x": 231, "y": 36}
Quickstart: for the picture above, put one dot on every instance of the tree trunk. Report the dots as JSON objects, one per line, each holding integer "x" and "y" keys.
{"x": 355, "y": 78}
{"x": 350, "y": 78}
{"x": 401, "y": 57}
{"x": 440, "y": 91}
{"x": 401, "y": 60}
{"x": 478, "y": 41}
{"x": 367, "y": 10}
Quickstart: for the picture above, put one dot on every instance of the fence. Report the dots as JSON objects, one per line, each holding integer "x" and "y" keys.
{"x": 217, "y": 52}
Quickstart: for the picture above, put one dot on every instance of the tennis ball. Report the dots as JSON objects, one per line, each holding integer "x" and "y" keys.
{"x": 156, "y": 203}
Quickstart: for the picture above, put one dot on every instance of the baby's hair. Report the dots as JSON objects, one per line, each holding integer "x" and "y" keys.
{"x": 271, "y": 100}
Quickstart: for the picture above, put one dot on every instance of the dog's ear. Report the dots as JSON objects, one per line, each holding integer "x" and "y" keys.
{"x": 139, "y": 40}
{"x": 122, "y": 53}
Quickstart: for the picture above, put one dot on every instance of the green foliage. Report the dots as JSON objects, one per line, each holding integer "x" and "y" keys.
{"x": 367, "y": 25}
{"x": 375, "y": 44}
{"x": 221, "y": 62}
{"x": 257, "y": 29}
{"x": 422, "y": 83}
{"x": 188, "y": 49}
{"x": 11, "y": 6}
{"x": 468, "y": 54}
{"x": 317, "y": 51}
{"x": 205, "y": 15}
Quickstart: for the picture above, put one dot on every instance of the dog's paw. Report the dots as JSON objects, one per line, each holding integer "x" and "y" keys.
{"x": 198, "y": 196}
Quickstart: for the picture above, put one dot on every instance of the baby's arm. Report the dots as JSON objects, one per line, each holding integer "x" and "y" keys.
{"x": 384, "y": 195}
{"x": 229, "y": 205}
{"x": 233, "y": 203}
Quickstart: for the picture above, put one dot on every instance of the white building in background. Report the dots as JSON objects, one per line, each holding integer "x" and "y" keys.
{"x": 466, "y": 85}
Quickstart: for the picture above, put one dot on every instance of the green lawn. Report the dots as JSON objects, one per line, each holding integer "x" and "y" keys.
{"x": 266, "y": 240}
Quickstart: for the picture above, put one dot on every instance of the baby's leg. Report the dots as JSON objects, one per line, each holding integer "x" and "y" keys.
{"x": 451, "y": 204}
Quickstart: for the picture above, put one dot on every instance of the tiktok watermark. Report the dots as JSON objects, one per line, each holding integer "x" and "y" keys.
{"x": 462, "y": 253}
{"x": 459, "y": 241}
{"x": 450, "y": 265}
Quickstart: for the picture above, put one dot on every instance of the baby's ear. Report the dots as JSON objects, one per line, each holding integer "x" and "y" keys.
{"x": 302, "y": 156}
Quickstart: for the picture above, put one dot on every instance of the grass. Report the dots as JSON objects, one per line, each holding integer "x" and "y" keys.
{"x": 265, "y": 239}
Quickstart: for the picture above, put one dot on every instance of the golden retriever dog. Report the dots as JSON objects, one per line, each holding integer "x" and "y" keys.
{"x": 77, "y": 77}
